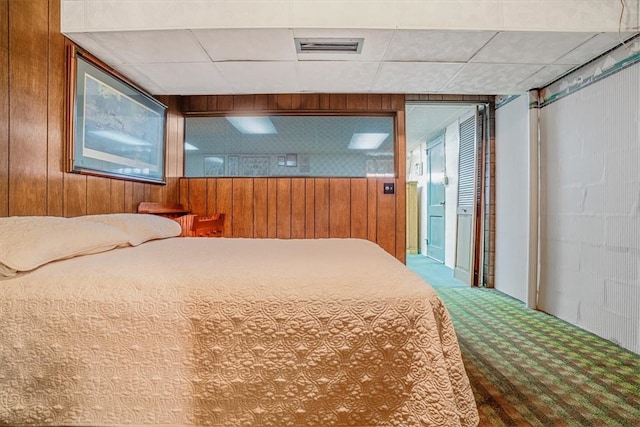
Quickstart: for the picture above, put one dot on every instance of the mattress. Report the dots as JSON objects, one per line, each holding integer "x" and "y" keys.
{"x": 230, "y": 332}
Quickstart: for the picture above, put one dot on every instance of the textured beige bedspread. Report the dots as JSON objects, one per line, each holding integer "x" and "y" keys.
{"x": 230, "y": 332}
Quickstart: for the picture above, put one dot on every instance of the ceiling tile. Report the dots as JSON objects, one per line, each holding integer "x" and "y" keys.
{"x": 373, "y": 49}
{"x": 260, "y": 77}
{"x": 416, "y": 77}
{"x": 248, "y": 44}
{"x": 195, "y": 78}
{"x": 437, "y": 46}
{"x": 592, "y": 48}
{"x": 543, "y": 77}
{"x": 323, "y": 76}
{"x": 501, "y": 79}
{"x": 87, "y": 42}
{"x": 149, "y": 47}
{"x": 529, "y": 47}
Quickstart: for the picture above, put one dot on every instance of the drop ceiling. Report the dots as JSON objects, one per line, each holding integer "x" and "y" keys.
{"x": 252, "y": 60}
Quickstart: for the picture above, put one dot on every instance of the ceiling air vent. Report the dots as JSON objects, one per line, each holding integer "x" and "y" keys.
{"x": 329, "y": 45}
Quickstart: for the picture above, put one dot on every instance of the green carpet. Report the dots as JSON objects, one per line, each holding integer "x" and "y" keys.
{"x": 528, "y": 368}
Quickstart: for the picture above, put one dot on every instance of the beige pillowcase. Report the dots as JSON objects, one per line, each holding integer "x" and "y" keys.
{"x": 27, "y": 242}
{"x": 139, "y": 228}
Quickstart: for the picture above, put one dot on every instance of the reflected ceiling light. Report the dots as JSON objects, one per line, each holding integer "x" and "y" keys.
{"x": 190, "y": 147}
{"x": 123, "y": 138}
{"x": 367, "y": 141}
{"x": 253, "y": 125}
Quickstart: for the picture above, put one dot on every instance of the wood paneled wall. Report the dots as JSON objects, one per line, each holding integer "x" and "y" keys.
{"x": 32, "y": 126}
{"x": 304, "y": 208}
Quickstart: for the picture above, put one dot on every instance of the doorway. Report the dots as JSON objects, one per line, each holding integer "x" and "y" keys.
{"x": 444, "y": 163}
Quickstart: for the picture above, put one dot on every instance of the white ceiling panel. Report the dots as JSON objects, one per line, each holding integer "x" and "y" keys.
{"x": 196, "y": 78}
{"x": 436, "y": 46}
{"x": 592, "y": 48}
{"x": 260, "y": 77}
{"x": 323, "y": 76}
{"x": 264, "y": 60}
{"x": 529, "y": 47}
{"x": 248, "y": 44}
{"x": 492, "y": 78}
{"x": 375, "y": 44}
{"x": 542, "y": 77}
{"x": 416, "y": 77}
{"x": 149, "y": 47}
{"x": 88, "y": 42}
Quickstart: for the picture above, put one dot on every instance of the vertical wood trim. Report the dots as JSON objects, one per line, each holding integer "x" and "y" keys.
{"x": 261, "y": 208}
{"x": 4, "y": 108}
{"x": 339, "y": 207}
{"x": 224, "y": 203}
{"x": 401, "y": 181}
{"x": 283, "y": 203}
{"x": 28, "y": 60}
{"x": 310, "y": 209}
{"x": 242, "y": 207}
{"x": 298, "y": 208}
{"x": 359, "y": 211}
{"x": 272, "y": 208}
{"x": 322, "y": 203}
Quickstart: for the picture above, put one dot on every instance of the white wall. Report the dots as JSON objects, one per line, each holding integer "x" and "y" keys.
{"x": 512, "y": 197}
{"x": 590, "y": 208}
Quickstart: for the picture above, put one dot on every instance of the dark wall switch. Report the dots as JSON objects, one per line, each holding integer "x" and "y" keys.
{"x": 389, "y": 188}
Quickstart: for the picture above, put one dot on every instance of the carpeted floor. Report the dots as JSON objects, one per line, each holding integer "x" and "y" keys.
{"x": 531, "y": 369}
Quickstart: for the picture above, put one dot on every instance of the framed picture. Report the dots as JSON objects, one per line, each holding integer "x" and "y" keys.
{"x": 116, "y": 129}
{"x": 213, "y": 165}
{"x": 292, "y": 160}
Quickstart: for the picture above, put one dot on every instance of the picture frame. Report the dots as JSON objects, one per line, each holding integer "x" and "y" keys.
{"x": 115, "y": 129}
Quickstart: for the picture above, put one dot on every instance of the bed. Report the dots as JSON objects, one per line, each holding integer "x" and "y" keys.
{"x": 133, "y": 326}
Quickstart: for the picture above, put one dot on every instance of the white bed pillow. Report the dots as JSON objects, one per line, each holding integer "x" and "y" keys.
{"x": 139, "y": 228}
{"x": 27, "y": 242}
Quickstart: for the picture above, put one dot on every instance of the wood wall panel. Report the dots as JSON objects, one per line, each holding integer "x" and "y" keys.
{"x": 242, "y": 206}
{"x": 55, "y": 107}
{"x": 260, "y": 208}
{"x": 322, "y": 204}
{"x": 272, "y": 203}
{"x": 224, "y": 202}
{"x": 33, "y": 130}
{"x": 98, "y": 205}
{"x": 28, "y": 64}
{"x": 117, "y": 196}
{"x": 358, "y": 204}
{"x": 309, "y": 209}
{"x": 386, "y": 218}
{"x": 4, "y": 108}
{"x": 372, "y": 210}
{"x": 298, "y": 210}
{"x": 294, "y": 207}
{"x": 283, "y": 208}
{"x": 340, "y": 207}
